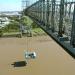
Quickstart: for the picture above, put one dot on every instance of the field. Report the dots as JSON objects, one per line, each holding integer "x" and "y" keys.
{"x": 51, "y": 58}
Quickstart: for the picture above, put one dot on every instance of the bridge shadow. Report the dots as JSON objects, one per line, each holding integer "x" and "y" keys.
{"x": 19, "y": 64}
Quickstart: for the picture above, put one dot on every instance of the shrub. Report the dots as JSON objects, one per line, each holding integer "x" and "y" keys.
{"x": 1, "y": 33}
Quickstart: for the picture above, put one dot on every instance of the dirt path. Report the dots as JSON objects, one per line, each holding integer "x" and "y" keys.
{"x": 51, "y": 58}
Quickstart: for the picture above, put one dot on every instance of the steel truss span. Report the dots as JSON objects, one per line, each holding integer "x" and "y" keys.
{"x": 57, "y": 18}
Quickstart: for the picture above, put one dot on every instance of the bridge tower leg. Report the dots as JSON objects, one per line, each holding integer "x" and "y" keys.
{"x": 39, "y": 8}
{"x": 44, "y": 12}
{"x": 65, "y": 9}
{"x": 70, "y": 9}
{"x": 73, "y": 30}
{"x": 47, "y": 14}
{"x": 61, "y": 18}
{"x": 52, "y": 16}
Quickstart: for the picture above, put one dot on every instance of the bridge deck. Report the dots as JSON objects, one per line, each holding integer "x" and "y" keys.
{"x": 51, "y": 58}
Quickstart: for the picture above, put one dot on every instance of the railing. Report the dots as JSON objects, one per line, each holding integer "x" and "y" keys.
{"x": 57, "y": 17}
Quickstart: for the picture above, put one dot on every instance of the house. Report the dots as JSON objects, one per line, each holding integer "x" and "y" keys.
{"x": 4, "y": 21}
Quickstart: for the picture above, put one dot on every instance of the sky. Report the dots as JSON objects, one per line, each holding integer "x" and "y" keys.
{"x": 12, "y": 5}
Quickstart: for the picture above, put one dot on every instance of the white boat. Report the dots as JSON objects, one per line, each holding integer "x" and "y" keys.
{"x": 30, "y": 55}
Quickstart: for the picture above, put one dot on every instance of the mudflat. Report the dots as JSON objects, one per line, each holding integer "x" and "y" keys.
{"x": 51, "y": 58}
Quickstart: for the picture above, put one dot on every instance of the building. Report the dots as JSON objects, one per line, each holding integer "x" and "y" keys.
{"x": 4, "y": 21}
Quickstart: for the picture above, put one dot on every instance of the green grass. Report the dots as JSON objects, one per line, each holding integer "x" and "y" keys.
{"x": 38, "y": 31}
{"x": 35, "y": 30}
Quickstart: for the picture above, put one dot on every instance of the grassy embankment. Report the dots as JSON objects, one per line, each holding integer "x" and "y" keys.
{"x": 13, "y": 27}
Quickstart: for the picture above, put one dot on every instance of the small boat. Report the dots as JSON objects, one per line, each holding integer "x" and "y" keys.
{"x": 30, "y": 55}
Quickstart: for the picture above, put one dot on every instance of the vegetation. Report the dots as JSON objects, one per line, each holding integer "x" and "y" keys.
{"x": 1, "y": 33}
{"x": 34, "y": 25}
{"x": 26, "y": 21}
{"x": 14, "y": 25}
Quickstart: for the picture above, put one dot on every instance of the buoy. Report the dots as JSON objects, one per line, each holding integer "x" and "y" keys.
{"x": 30, "y": 55}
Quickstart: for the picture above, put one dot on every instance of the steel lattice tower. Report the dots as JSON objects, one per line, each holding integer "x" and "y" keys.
{"x": 25, "y": 4}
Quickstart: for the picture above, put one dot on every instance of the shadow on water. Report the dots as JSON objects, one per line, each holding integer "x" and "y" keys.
{"x": 19, "y": 64}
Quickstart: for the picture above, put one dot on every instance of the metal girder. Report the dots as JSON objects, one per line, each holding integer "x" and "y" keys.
{"x": 73, "y": 30}
{"x": 47, "y": 15}
{"x": 61, "y": 18}
{"x": 44, "y": 11}
{"x": 70, "y": 9}
{"x": 65, "y": 9}
{"x": 52, "y": 16}
{"x": 40, "y": 10}
{"x": 49, "y": 10}
{"x": 69, "y": 2}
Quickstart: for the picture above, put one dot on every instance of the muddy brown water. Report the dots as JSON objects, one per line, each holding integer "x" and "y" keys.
{"x": 51, "y": 58}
